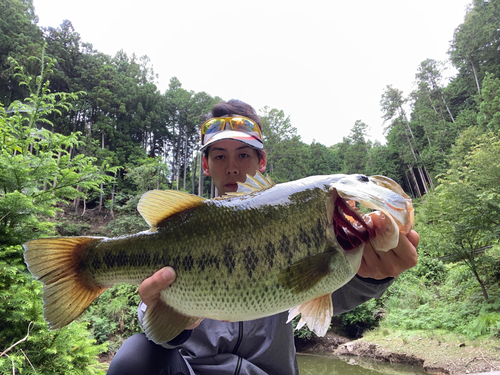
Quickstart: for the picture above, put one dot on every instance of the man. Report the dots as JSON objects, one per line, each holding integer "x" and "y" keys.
{"x": 232, "y": 146}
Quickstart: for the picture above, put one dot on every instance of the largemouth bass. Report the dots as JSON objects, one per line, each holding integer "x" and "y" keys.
{"x": 263, "y": 250}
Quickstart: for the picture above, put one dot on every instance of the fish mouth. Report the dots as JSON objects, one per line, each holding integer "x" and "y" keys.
{"x": 350, "y": 229}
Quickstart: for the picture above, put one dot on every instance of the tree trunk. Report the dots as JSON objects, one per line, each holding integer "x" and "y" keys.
{"x": 101, "y": 192}
{"x": 423, "y": 179}
{"x": 185, "y": 163}
{"x": 483, "y": 288}
{"x": 100, "y": 198}
{"x": 409, "y": 185}
{"x": 76, "y": 202}
{"x": 200, "y": 178}
{"x": 193, "y": 174}
{"x": 475, "y": 76}
{"x": 84, "y": 206}
{"x": 431, "y": 184}
{"x": 426, "y": 132}
{"x": 447, "y": 108}
{"x": 412, "y": 174}
{"x": 113, "y": 197}
{"x": 432, "y": 104}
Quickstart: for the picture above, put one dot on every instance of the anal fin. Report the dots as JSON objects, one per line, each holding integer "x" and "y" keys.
{"x": 317, "y": 314}
{"x": 162, "y": 323}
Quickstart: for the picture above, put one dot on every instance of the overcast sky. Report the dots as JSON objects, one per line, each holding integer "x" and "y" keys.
{"x": 324, "y": 63}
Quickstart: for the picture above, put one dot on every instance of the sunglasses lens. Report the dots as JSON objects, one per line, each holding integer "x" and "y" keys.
{"x": 213, "y": 126}
{"x": 244, "y": 124}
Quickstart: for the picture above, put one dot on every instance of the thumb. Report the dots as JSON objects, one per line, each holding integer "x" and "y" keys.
{"x": 150, "y": 288}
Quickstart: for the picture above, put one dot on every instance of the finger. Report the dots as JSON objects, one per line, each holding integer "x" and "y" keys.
{"x": 414, "y": 238}
{"x": 150, "y": 289}
{"x": 406, "y": 250}
{"x": 378, "y": 265}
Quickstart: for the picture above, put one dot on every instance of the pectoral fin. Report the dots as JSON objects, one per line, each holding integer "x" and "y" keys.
{"x": 317, "y": 314}
{"x": 162, "y": 323}
{"x": 305, "y": 273}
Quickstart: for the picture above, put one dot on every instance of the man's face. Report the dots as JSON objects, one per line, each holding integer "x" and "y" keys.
{"x": 229, "y": 162}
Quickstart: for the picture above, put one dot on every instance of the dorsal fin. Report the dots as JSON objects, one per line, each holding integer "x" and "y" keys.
{"x": 252, "y": 184}
{"x": 157, "y": 205}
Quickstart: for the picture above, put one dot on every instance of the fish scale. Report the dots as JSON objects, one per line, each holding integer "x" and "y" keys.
{"x": 237, "y": 258}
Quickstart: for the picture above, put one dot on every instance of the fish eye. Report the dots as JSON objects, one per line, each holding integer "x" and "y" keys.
{"x": 363, "y": 178}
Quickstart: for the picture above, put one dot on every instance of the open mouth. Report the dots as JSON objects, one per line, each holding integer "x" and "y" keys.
{"x": 350, "y": 228}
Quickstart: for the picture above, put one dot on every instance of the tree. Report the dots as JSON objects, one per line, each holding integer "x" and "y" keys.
{"x": 475, "y": 42}
{"x": 19, "y": 39}
{"x": 357, "y": 158}
{"x": 322, "y": 160}
{"x": 392, "y": 104}
{"x": 386, "y": 162}
{"x": 489, "y": 107}
{"x": 429, "y": 77}
{"x": 286, "y": 153}
{"x": 461, "y": 218}
{"x": 182, "y": 114}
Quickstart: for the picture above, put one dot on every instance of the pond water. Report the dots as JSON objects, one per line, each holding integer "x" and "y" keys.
{"x": 335, "y": 365}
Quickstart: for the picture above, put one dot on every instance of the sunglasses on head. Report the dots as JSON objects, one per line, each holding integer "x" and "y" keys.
{"x": 238, "y": 123}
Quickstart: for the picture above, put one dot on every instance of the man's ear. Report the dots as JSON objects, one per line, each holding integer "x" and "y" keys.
{"x": 204, "y": 164}
{"x": 263, "y": 163}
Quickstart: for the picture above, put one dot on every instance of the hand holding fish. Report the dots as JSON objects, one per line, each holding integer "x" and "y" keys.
{"x": 380, "y": 265}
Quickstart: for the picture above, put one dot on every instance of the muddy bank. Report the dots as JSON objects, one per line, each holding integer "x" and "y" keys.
{"x": 373, "y": 351}
{"x": 430, "y": 355}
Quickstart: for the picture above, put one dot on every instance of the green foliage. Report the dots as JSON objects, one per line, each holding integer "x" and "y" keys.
{"x": 429, "y": 270}
{"x": 69, "y": 350}
{"x": 37, "y": 167}
{"x": 113, "y": 316}
{"x": 489, "y": 108}
{"x": 151, "y": 173}
{"x": 454, "y": 303}
{"x": 303, "y": 332}
{"x": 364, "y": 317}
{"x": 38, "y": 170}
{"x": 19, "y": 38}
{"x": 357, "y": 157}
{"x": 72, "y": 229}
{"x": 322, "y": 160}
{"x": 460, "y": 219}
{"x": 286, "y": 153}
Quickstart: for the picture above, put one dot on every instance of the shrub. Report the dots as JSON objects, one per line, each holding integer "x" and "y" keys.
{"x": 69, "y": 350}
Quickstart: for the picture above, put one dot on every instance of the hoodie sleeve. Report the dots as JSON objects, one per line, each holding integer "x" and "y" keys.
{"x": 358, "y": 291}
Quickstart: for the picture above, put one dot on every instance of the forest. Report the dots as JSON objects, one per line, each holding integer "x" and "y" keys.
{"x": 83, "y": 135}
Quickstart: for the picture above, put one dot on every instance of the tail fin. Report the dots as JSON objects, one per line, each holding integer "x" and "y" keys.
{"x": 66, "y": 292}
